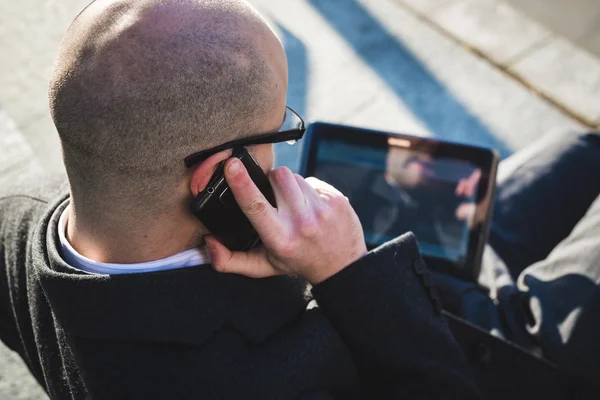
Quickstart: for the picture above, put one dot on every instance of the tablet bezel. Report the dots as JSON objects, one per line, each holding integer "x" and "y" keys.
{"x": 485, "y": 159}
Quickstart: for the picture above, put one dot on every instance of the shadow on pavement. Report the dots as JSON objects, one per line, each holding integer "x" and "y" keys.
{"x": 427, "y": 98}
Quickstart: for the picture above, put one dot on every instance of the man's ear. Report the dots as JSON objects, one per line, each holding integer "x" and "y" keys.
{"x": 205, "y": 170}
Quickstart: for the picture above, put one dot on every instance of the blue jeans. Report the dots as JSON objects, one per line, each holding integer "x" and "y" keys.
{"x": 539, "y": 285}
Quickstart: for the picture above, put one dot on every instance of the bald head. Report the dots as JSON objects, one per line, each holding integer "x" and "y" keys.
{"x": 140, "y": 84}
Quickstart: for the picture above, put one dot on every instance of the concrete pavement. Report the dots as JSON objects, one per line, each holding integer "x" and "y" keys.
{"x": 576, "y": 20}
{"x": 560, "y": 71}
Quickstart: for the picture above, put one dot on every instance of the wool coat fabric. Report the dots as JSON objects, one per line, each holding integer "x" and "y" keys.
{"x": 374, "y": 330}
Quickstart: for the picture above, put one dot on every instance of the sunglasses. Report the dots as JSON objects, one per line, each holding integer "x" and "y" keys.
{"x": 291, "y": 131}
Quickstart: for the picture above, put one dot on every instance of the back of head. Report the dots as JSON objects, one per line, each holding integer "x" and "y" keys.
{"x": 140, "y": 84}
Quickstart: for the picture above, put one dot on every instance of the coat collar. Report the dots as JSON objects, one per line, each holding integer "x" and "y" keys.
{"x": 187, "y": 305}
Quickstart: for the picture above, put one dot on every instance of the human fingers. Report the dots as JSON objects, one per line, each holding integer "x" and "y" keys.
{"x": 460, "y": 188}
{"x": 322, "y": 187}
{"x": 253, "y": 264}
{"x": 472, "y": 182}
{"x": 288, "y": 194}
{"x": 251, "y": 200}
{"x": 469, "y": 190}
{"x": 310, "y": 194}
{"x": 318, "y": 192}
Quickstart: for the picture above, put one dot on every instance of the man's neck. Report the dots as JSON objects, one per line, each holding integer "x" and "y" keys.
{"x": 111, "y": 242}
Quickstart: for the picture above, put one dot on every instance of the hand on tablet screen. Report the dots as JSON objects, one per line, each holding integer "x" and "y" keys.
{"x": 467, "y": 187}
{"x": 466, "y": 212}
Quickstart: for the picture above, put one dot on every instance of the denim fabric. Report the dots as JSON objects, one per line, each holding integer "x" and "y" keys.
{"x": 539, "y": 285}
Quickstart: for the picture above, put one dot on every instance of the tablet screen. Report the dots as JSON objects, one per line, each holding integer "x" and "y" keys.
{"x": 397, "y": 189}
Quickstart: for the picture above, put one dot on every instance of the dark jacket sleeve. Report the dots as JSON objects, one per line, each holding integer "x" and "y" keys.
{"x": 387, "y": 312}
{"x": 11, "y": 289}
{"x": 22, "y": 204}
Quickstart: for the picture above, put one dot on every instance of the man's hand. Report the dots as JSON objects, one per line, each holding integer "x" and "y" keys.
{"x": 313, "y": 233}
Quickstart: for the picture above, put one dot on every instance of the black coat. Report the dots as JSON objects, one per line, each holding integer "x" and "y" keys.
{"x": 377, "y": 331}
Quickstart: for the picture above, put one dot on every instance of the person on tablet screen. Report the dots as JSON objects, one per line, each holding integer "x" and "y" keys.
{"x": 409, "y": 191}
{"x": 406, "y": 170}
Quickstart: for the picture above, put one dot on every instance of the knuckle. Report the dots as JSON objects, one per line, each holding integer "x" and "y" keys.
{"x": 256, "y": 208}
{"x": 286, "y": 248}
{"x": 337, "y": 202}
{"x": 219, "y": 266}
{"x": 341, "y": 201}
{"x": 308, "y": 227}
{"x": 280, "y": 173}
{"x": 313, "y": 182}
{"x": 325, "y": 214}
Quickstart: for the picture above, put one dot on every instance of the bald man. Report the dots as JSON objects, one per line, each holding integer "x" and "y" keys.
{"x": 112, "y": 289}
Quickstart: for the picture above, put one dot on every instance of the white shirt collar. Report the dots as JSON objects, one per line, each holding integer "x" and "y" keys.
{"x": 187, "y": 258}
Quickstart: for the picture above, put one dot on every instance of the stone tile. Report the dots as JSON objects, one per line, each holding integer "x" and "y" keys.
{"x": 591, "y": 40}
{"x": 373, "y": 64}
{"x": 567, "y": 74}
{"x": 16, "y": 156}
{"x": 475, "y": 102}
{"x": 336, "y": 84}
{"x": 31, "y": 34}
{"x": 492, "y": 27}
{"x": 15, "y": 149}
{"x": 43, "y": 139}
{"x": 576, "y": 20}
{"x": 387, "y": 113}
{"x": 17, "y": 383}
{"x": 425, "y": 6}
{"x": 569, "y": 17}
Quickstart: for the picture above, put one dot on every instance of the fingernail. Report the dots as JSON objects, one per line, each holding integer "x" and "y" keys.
{"x": 234, "y": 167}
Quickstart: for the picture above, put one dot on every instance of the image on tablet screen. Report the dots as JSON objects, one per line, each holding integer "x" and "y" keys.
{"x": 398, "y": 190}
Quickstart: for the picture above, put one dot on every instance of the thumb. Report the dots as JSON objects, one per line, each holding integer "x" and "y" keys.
{"x": 253, "y": 264}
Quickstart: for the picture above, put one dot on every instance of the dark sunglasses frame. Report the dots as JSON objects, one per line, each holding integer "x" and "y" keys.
{"x": 273, "y": 137}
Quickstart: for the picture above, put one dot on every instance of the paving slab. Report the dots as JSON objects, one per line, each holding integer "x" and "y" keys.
{"x": 576, "y": 20}
{"x": 510, "y": 112}
{"x": 16, "y": 382}
{"x": 16, "y": 152}
{"x": 591, "y": 40}
{"x": 421, "y": 81}
{"x": 30, "y": 33}
{"x": 567, "y": 74}
{"x": 491, "y": 26}
{"x": 425, "y": 6}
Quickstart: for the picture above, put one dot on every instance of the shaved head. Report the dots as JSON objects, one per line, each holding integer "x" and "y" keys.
{"x": 140, "y": 84}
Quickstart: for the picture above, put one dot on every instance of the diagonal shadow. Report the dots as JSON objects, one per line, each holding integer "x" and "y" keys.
{"x": 297, "y": 91}
{"x": 427, "y": 98}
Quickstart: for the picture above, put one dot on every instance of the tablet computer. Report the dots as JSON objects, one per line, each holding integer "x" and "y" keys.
{"x": 443, "y": 192}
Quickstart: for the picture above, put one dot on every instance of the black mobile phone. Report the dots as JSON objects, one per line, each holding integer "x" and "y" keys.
{"x": 217, "y": 209}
